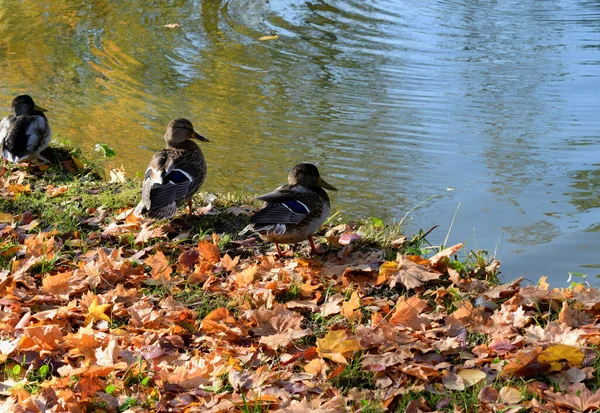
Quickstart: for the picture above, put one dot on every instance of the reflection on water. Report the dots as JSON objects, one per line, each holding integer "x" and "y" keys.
{"x": 396, "y": 101}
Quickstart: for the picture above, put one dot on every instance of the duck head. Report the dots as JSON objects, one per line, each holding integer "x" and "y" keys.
{"x": 306, "y": 174}
{"x": 180, "y": 130}
{"x": 24, "y": 105}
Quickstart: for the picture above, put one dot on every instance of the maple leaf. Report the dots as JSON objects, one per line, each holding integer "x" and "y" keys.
{"x": 336, "y": 346}
{"x": 349, "y": 307}
{"x": 445, "y": 253}
{"x": 572, "y": 317}
{"x": 228, "y": 263}
{"x": 58, "y": 284}
{"x": 209, "y": 252}
{"x": 578, "y": 398}
{"x": 96, "y": 312}
{"x": 406, "y": 272}
{"x": 161, "y": 269}
{"x": 408, "y": 312}
{"x": 245, "y": 277}
{"x": 332, "y": 305}
{"x": 147, "y": 233}
{"x": 279, "y": 327}
{"x": 44, "y": 337}
{"x": 53, "y": 191}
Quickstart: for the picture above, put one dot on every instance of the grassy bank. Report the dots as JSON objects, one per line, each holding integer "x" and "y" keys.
{"x": 104, "y": 312}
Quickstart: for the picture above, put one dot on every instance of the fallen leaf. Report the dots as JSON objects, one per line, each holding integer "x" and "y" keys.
{"x": 406, "y": 272}
{"x": 510, "y": 395}
{"x": 337, "y": 346}
{"x": 270, "y": 37}
{"x": 349, "y": 307}
{"x": 560, "y": 352}
{"x": 96, "y": 312}
{"x": 472, "y": 376}
{"x": 245, "y": 277}
{"x": 453, "y": 381}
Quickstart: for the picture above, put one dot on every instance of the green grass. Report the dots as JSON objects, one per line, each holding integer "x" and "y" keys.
{"x": 354, "y": 376}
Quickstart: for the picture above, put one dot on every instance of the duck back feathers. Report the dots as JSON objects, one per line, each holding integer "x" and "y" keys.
{"x": 25, "y": 132}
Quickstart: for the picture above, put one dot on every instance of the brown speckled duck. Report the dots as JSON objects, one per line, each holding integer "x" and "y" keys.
{"x": 293, "y": 212}
{"x": 25, "y": 132}
{"x": 174, "y": 174}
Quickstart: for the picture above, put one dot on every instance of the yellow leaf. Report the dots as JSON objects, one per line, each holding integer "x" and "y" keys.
{"x": 561, "y": 352}
{"x": 77, "y": 162}
{"x": 335, "y": 345}
{"x": 96, "y": 312}
{"x": 272, "y": 37}
{"x": 472, "y": 376}
{"x": 385, "y": 271}
{"x": 4, "y": 217}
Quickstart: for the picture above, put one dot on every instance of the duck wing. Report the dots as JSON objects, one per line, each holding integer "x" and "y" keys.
{"x": 164, "y": 182}
{"x": 282, "y": 208}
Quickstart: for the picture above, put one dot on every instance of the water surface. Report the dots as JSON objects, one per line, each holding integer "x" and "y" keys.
{"x": 490, "y": 104}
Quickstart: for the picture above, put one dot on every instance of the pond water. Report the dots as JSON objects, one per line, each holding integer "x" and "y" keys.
{"x": 490, "y": 105}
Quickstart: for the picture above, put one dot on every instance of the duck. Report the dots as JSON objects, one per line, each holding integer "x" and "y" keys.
{"x": 174, "y": 174}
{"x": 25, "y": 132}
{"x": 293, "y": 212}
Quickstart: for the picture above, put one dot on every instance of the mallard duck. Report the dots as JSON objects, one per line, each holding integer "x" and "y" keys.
{"x": 25, "y": 132}
{"x": 174, "y": 174}
{"x": 293, "y": 212}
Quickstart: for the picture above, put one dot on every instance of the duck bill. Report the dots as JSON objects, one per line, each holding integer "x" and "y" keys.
{"x": 325, "y": 185}
{"x": 37, "y": 108}
{"x": 200, "y": 137}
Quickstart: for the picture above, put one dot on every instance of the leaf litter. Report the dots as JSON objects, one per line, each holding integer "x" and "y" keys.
{"x": 135, "y": 316}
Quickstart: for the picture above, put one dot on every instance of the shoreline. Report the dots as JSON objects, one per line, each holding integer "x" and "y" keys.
{"x": 104, "y": 311}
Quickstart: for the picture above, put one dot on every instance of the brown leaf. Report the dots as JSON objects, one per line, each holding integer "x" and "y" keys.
{"x": 408, "y": 312}
{"x": 407, "y": 273}
{"x": 445, "y": 254}
{"x": 578, "y": 397}
{"x": 279, "y": 327}
{"x": 453, "y": 381}
{"x": 488, "y": 395}
{"x": 350, "y": 307}
{"x": 510, "y": 395}
{"x": 572, "y": 317}
{"x": 161, "y": 269}
{"x": 525, "y": 364}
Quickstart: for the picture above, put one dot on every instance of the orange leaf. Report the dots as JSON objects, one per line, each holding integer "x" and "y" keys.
{"x": 161, "y": 270}
{"x": 245, "y": 277}
{"x": 209, "y": 252}
{"x": 58, "y": 284}
{"x": 349, "y": 307}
